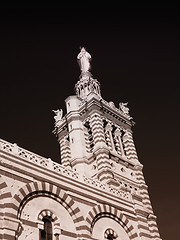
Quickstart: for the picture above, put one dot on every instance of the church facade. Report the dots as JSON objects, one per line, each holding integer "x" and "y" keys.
{"x": 98, "y": 191}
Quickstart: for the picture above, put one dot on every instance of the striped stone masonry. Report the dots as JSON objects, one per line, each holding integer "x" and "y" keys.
{"x": 46, "y": 164}
{"x": 16, "y": 203}
{"x": 147, "y": 224}
{"x": 89, "y": 140}
{"x": 100, "y": 148}
{"x": 50, "y": 215}
{"x": 104, "y": 210}
{"x": 143, "y": 188}
{"x": 98, "y": 191}
{"x": 153, "y": 227}
{"x": 65, "y": 152}
{"x": 119, "y": 144}
{"x": 97, "y": 129}
{"x": 109, "y": 139}
{"x": 129, "y": 146}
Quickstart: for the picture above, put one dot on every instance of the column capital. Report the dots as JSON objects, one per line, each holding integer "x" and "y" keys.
{"x": 108, "y": 127}
{"x": 117, "y": 132}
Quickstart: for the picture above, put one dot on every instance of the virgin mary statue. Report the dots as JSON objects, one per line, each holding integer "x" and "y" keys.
{"x": 84, "y": 60}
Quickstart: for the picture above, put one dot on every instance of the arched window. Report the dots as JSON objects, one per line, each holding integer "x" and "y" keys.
{"x": 46, "y": 233}
{"x": 110, "y": 234}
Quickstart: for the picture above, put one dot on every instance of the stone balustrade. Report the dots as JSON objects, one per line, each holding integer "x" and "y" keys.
{"x": 15, "y": 150}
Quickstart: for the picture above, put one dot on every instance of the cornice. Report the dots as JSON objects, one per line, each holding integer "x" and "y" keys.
{"x": 67, "y": 179}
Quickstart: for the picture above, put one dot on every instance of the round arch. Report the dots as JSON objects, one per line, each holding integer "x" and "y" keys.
{"x": 35, "y": 189}
{"x": 52, "y": 216}
{"x": 5, "y": 197}
{"x": 48, "y": 213}
{"x": 5, "y": 211}
{"x": 104, "y": 210}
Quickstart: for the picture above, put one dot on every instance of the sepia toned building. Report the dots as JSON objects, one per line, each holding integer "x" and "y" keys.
{"x": 98, "y": 190}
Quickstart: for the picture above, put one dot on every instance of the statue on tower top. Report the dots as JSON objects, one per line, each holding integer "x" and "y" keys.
{"x": 84, "y": 60}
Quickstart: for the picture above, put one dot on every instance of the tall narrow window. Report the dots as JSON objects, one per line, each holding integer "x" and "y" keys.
{"x": 46, "y": 233}
{"x": 88, "y": 137}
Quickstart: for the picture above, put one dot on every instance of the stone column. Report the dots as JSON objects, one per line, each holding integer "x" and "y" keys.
{"x": 100, "y": 148}
{"x": 117, "y": 133}
{"x": 65, "y": 152}
{"x": 108, "y": 128}
{"x": 130, "y": 149}
{"x": 145, "y": 211}
{"x": 9, "y": 228}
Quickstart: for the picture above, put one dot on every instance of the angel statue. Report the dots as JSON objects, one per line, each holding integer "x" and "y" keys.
{"x": 123, "y": 107}
{"x": 84, "y": 60}
{"x": 59, "y": 114}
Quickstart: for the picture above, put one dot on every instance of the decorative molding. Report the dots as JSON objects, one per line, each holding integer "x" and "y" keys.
{"x": 58, "y": 168}
{"x": 104, "y": 210}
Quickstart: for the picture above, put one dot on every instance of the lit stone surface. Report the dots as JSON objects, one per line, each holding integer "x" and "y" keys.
{"x": 97, "y": 192}
{"x": 100, "y": 227}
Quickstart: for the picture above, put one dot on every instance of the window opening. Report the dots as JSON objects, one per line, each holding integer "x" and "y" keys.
{"x": 46, "y": 233}
{"x": 110, "y": 234}
{"x": 115, "y": 139}
{"x": 89, "y": 137}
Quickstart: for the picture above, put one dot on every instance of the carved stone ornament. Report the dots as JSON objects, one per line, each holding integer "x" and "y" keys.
{"x": 123, "y": 107}
{"x": 59, "y": 114}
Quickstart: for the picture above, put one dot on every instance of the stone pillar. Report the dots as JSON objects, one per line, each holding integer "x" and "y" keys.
{"x": 130, "y": 149}
{"x": 143, "y": 187}
{"x": 117, "y": 134}
{"x": 100, "y": 148}
{"x": 57, "y": 231}
{"x": 153, "y": 227}
{"x": 77, "y": 144}
{"x": 147, "y": 207}
{"x": 65, "y": 152}
{"x": 9, "y": 228}
{"x": 108, "y": 128}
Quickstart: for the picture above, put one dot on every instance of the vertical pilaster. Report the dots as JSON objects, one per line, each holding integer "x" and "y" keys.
{"x": 108, "y": 141}
{"x": 151, "y": 218}
{"x": 65, "y": 152}
{"x": 97, "y": 130}
{"x": 129, "y": 146}
{"x": 100, "y": 148}
{"x": 110, "y": 137}
{"x": 142, "y": 215}
{"x": 117, "y": 134}
{"x": 143, "y": 188}
{"x": 87, "y": 142}
{"x": 153, "y": 227}
{"x": 10, "y": 227}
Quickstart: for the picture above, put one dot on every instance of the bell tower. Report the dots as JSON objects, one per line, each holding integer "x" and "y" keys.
{"x": 96, "y": 140}
{"x": 95, "y": 136}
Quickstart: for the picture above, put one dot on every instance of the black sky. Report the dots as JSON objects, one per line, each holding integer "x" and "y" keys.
{"x": 135, "y": 56}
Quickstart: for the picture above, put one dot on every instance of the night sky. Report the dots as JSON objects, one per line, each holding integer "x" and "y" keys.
{"x": 136, "y": 58}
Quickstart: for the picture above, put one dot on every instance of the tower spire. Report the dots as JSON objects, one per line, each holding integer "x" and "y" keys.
{"x": 86, "y": 84}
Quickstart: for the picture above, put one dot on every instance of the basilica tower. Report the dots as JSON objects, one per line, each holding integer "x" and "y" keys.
{"x": 98, "y": 191}
{"x": 96, "y": 140}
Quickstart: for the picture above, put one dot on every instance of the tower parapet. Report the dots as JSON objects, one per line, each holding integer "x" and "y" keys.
{"x": 86, "y": 84}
